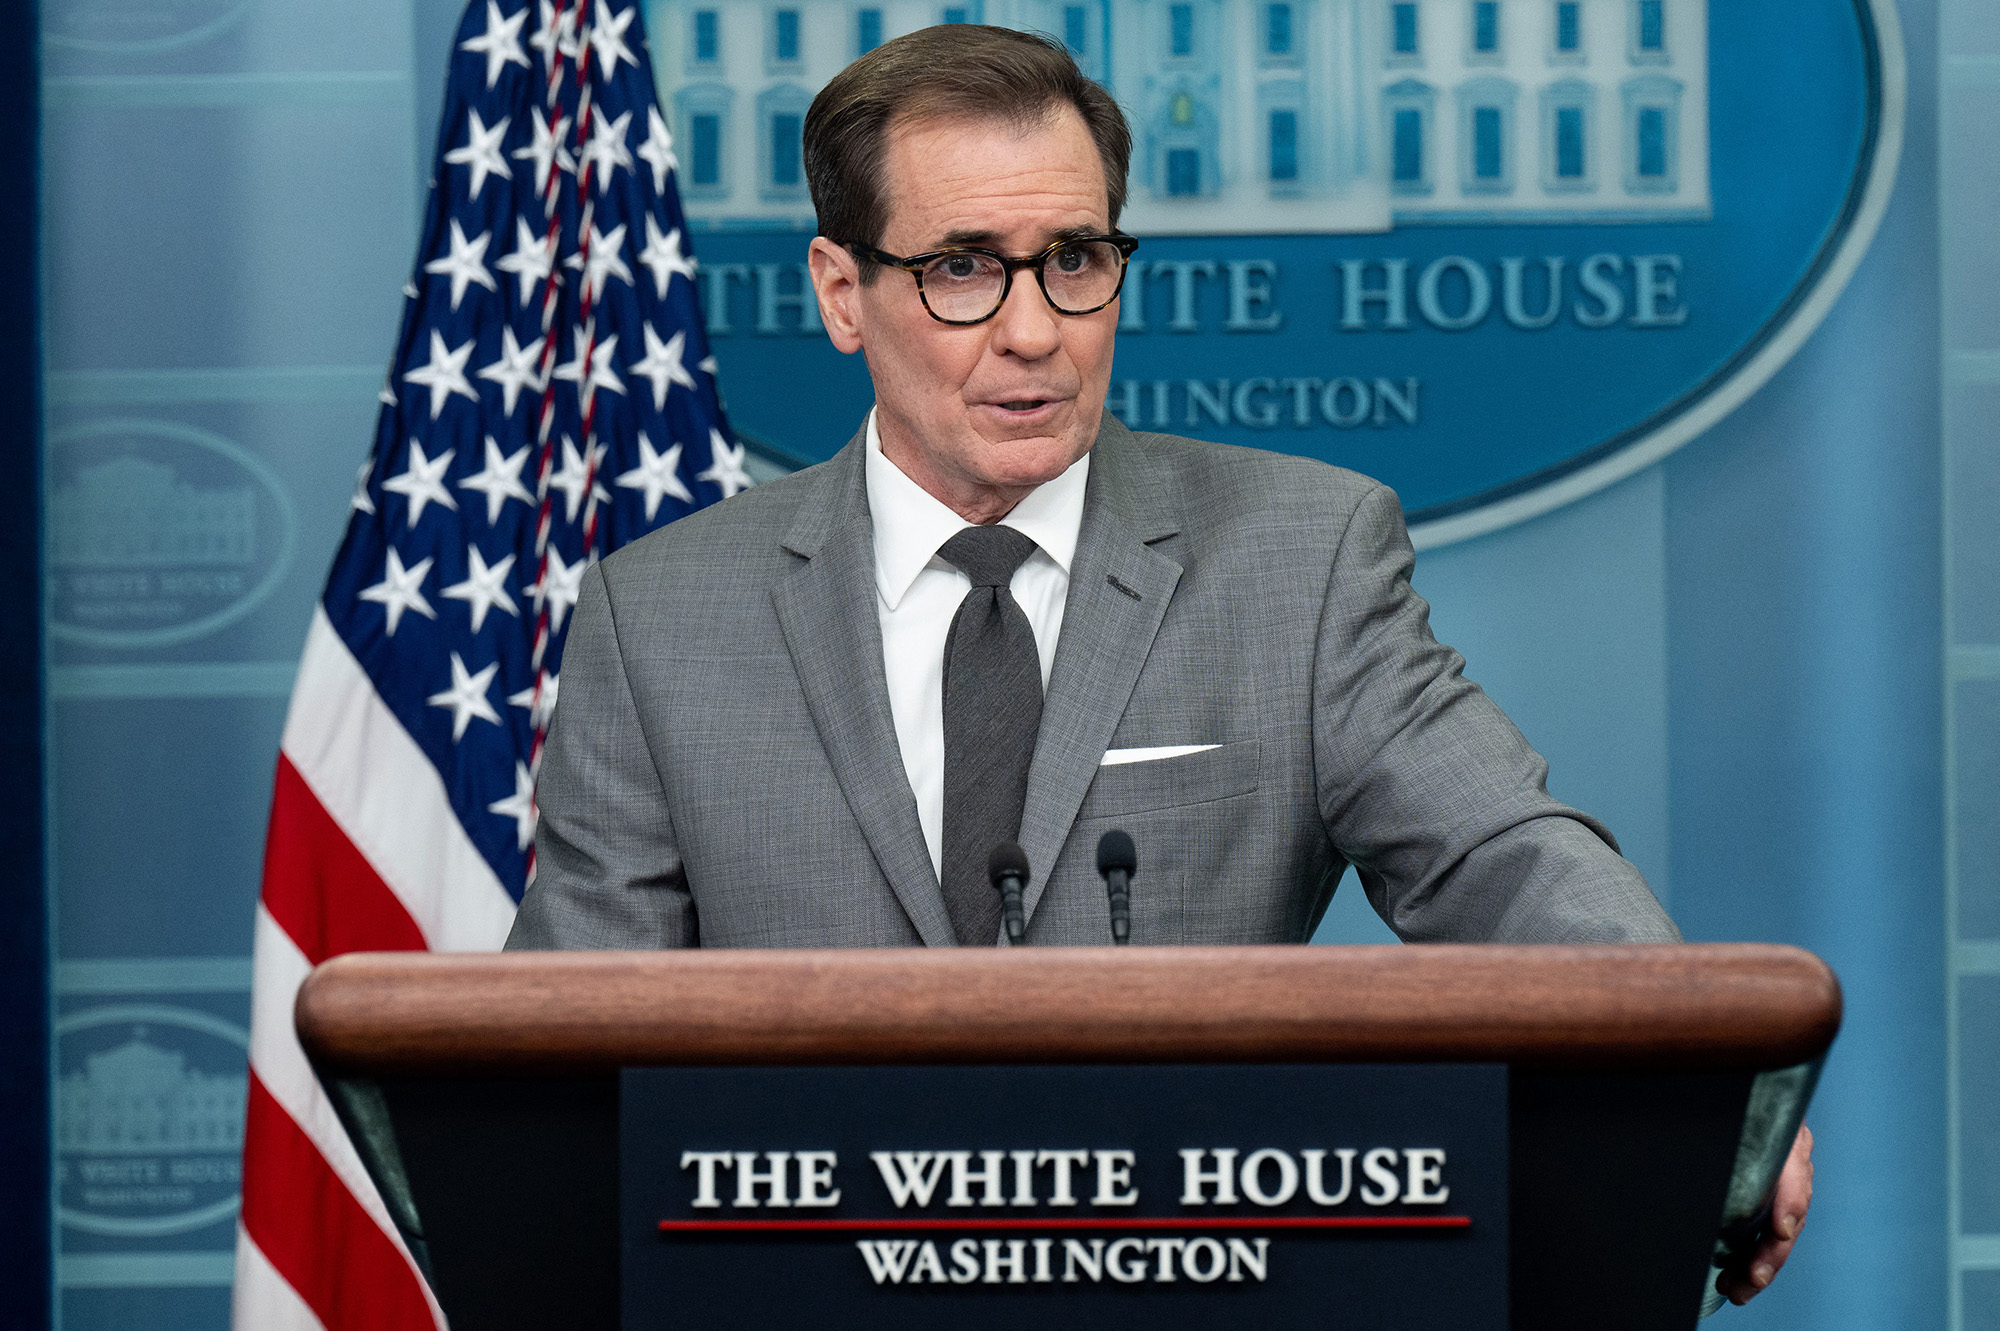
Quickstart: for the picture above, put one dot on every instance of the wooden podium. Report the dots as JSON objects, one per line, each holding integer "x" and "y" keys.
{"x": 1653, "y": 1091}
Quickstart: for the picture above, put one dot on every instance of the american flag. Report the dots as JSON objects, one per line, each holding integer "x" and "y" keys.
{"x": 552, "y": 397}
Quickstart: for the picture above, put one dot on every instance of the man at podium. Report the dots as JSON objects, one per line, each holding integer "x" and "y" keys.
{"x": 806, "y": 716}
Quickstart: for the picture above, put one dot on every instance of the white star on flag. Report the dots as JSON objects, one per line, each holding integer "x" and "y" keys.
{"x": 658, "y": 474}
{"x": 500, "y": 43}
{"x": 726, "y": 465}
{"x": 538, "y": 715}
{"x": 607, "y": 251}
{"x": 555, "y": 37}
{"x": 663, "y": 365}
{"x": 571, "y": 479}
{"x": 515, "y": 370}
{"x": 658, "y": 151}
{"x": 445, "y": 374}
{"x": 663, "y": 255}
{"x": 466, "y": 263}
{"x": 401, "y": 589}
{"x": 600, "y": 375}
{"x": 363, "y": 501}
{"x": 607, "y": 149}
{"x": 482, "y": 151}
{"x": 560, "y": 585}
{"x": 547, "y": 149}
{"x": 423, "y": 481}
{"x": 530, "y": 262}
{"x": 607, "y": 38}
{"x": 467, "y": 697}
{"x": 500, "y": 481}
{"x": 484, "y": 587}
{"x": 520, "y": 806}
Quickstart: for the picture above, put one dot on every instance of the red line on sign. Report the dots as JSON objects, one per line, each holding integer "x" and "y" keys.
{"x": 1078, "y": 1222}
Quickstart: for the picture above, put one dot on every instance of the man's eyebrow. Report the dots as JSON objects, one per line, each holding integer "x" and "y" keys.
{"x": 984, "y": 239}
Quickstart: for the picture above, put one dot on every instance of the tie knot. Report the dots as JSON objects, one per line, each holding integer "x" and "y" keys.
{"x": 988, "y": 555}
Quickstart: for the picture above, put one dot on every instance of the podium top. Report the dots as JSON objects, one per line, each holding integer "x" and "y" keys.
{"x": 1691, "y": 1006}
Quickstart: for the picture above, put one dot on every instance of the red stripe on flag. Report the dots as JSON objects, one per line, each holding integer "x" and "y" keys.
{"x": 319, "y": 888}
{"x": 317, "y": 1236}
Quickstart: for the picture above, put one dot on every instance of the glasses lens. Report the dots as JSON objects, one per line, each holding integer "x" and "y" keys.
{"x": 1082, "y": 275}
{"x": 963, "y": 286}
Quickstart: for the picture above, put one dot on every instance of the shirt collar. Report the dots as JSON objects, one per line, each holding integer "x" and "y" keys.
{"x": 911, "y": 523}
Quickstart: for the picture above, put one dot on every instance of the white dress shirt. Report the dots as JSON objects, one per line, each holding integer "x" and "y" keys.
{"x": 917, "y": 593}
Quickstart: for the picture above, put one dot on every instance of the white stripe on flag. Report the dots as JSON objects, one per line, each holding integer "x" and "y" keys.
{"x": 262, "y": 1299}
{"x": 280, "y": 1063}
{"x": 382, "y": 790}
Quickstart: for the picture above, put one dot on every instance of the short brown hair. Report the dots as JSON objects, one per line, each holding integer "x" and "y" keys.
{"x": 953, "y": 70}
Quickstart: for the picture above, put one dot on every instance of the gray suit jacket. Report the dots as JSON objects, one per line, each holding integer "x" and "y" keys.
{"x": 723, "y": 770}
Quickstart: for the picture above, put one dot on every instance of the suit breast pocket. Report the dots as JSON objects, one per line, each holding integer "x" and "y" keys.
{"x": 1124, "y": 789}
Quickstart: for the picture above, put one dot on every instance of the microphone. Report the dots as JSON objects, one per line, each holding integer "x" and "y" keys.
{"x": 1118, "y": 860}
{"x": 1007, "y": 866}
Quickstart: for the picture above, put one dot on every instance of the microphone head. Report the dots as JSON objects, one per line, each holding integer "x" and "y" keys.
{"x": 1116, "y": 851}
{"x": 1008, "y": 860}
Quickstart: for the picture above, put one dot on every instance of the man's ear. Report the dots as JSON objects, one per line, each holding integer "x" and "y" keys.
{"x": 836, "y": 279}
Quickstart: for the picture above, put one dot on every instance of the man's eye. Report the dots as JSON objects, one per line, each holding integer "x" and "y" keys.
{"x": 959, "y": 267}
{"x": 1071, "y": 260}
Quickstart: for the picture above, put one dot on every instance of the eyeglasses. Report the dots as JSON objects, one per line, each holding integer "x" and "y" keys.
{"x": 963, "y": 285}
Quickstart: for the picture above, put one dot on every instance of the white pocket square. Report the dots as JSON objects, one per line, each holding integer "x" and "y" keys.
{"x": 1118, "y": 757}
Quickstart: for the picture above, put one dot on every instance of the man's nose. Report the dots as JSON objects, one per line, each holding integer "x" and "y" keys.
{"x": 1027, "y": 325}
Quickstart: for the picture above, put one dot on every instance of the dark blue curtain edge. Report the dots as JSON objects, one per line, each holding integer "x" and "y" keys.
{"x": 26, "y": 1266}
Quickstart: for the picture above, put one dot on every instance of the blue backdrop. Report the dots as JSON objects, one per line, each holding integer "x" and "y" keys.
{"x": 1735, "y": 657}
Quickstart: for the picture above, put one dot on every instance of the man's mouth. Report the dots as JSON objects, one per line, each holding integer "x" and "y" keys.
{"x": 1024, "y": 404}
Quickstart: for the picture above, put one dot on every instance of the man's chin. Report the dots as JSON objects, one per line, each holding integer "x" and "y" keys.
{"x": 1031, "y": 460}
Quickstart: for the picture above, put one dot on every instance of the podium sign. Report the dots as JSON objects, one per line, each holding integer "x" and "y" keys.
{"x": 1099, "y": 1197}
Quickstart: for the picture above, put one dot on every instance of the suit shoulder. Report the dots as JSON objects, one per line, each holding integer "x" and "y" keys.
{"x": 741, "y": 528}
{"x": 1221, "y": 482}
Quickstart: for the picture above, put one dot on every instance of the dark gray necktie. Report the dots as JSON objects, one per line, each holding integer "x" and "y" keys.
{"x": 992, "y": 709}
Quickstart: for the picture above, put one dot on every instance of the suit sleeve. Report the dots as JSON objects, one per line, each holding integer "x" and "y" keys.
{"x": 1428, "y": 789}
{"x": 608, "y": 873}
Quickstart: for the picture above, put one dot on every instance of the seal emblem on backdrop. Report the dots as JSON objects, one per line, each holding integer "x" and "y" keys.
{"x": 1497, "y": 253}
{"x": 159, "y": 533}
{"x": 149, "y": 1119}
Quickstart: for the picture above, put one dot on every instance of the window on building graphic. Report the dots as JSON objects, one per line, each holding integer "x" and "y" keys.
{"x": 1652, "y": 134}
{"x": 868, "y": 30}
{"x": 1569, "y": 27}
{"x": 1407, "y": 106}
{"x": 1403, "y": 29}
{"x": 1652, "y": 37}
{"x": 1407, "y": 150}
{"x": 1180, "y": 20}
{"x": 785, "y": 151}
{"x": 1487, "y": 162}
{"x": 1073, "y": 34}
{"x": 1183, "y": 171}
{"x": 1284, "y": 145}
{"x": 707, "y": 149}
{"x": 707, "y": 35}
{"x": 1486, "y": 26}
{"x": 785, "y": 34}
{"x": 954, "y": 14}
{"x": 1277, "y": 29}
{"x": 1652, "y": 143}
{"x": 1569, "y": 143}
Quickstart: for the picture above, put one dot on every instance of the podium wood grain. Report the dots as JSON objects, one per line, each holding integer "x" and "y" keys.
{"x": 1700, "y": 1006}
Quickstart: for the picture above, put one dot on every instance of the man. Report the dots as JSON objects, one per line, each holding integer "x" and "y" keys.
{"x": 804, "y": 717}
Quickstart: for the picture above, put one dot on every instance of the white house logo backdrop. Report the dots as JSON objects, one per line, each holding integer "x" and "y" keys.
{"x": 1497, "y": 253}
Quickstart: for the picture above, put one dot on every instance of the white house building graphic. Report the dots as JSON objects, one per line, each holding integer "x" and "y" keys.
{"x": 1257, "y": 115}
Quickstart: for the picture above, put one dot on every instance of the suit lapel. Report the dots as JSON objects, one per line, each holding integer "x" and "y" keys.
{"x": 1119, "y": 588}
{"x": 826, "y": 610}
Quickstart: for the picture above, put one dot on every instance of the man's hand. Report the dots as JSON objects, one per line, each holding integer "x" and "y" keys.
{"x": 1742, "y": 1283}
